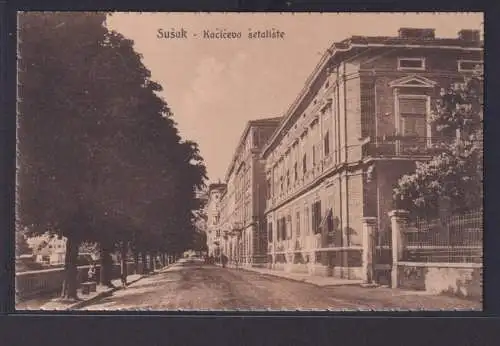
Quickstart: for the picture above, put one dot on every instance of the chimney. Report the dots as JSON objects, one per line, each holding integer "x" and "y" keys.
{"x": 415, "y": 33}
{"x": 469, "y": 35}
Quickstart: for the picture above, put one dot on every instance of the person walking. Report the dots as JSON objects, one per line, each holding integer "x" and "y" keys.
{"x": 224, "y": 260}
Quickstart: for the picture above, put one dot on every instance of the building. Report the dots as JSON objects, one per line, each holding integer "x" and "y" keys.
{"x": 48, "y": 249}
{"x": 212, "y": 209}
{"x": 358, "y": 125}
{"x": 243, "y": 237}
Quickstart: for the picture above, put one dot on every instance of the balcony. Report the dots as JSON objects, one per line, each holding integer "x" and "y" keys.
{"x": 401, "y": 146}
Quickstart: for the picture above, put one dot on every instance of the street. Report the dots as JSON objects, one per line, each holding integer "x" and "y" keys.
{"x": 195, "y": 286}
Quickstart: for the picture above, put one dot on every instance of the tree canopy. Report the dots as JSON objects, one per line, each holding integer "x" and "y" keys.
{"x": 100, "y": 157}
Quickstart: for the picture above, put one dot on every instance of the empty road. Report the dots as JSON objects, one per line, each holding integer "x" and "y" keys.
{"x": 195, "y": 286}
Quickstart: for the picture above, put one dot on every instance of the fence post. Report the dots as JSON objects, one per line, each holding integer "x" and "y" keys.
{"x": 369, "y": 224}
{"x": 399, "y": 219}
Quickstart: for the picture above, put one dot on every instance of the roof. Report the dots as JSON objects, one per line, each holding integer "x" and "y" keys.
{"x": 364, "y": 42}
{"x": 263, "y": 122}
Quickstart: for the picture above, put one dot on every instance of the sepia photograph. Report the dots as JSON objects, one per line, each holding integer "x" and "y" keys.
{"x": 196, "y": 161}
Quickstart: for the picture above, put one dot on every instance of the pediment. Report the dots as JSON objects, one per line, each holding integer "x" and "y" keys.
{"x": 413, "y": 81}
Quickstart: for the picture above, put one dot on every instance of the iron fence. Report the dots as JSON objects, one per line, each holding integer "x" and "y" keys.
{"x": 450, "y": 239}
{"x": 405, "y": 146}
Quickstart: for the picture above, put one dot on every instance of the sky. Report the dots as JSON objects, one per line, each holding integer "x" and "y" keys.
{"x": 214, "y": 87}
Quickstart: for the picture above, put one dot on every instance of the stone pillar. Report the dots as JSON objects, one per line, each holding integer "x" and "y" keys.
{"x": 399, "y": 219}
{"x": 368, "y": 232}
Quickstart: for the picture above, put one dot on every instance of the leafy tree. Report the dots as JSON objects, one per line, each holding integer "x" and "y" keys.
{"x": 56, "y": 123}
{"x": 454, "y": 176}
{"x": 100, "y": 157}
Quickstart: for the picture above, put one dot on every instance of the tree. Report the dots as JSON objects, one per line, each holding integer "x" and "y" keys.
{"x": 454, "y": 176}
{"x": 100, "y": 158}
{"x": 57, "y": 119}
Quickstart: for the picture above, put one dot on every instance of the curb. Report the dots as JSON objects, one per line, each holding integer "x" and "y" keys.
{"x": 305, "y": 280}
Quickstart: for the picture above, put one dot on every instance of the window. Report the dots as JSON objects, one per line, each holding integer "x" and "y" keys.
{"x": 326, "y": 141}
{"x": 304, "y": 164}
{"x": 316, "y": 216}
{"x": 268, "y": 188}
{"x": 297, "y": 224}
{"x": 295, "y": 172}
{"x": 411, "y": 64}
{"x": 306, "y": 220}
{"x": 469, "y": 65}
{"x": 217, "y": 233}
{"x": 255, "y": 138}
{"x": 314, "y": 155}
{"x": 279, "y": 230}
{"x": 270, "y": 232}
{"x": 287, "y": 178}
{"x": 413, "y": 117}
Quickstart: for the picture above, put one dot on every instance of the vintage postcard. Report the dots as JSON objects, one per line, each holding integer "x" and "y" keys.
{"x": 249, "y": 161}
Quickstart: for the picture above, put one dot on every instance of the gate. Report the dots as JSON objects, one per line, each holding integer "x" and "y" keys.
{"x": 382, "y": 256}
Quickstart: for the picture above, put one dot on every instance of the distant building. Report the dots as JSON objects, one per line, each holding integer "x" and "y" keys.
{"x": 240, "y": 233}
{"x": 212, "y": 210}
{"x": 360, "y": 123}
{"x": 48, "y": 249}
{"x": 51, "y": 250}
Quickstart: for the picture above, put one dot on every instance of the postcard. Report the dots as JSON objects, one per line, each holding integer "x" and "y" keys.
{"x": 249, "y": 161}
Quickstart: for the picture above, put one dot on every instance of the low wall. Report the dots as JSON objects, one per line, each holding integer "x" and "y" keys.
{"x": 33, "y": 283}
{"x": 459, "y": 279}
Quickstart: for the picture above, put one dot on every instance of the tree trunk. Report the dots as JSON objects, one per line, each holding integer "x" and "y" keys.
{"x": 136, "y": 261}
{"x": 106, "y": 266}
{"x": 144, "y": 262}
{"x": 70, "y": 284}
{"x": 152, "y": 261}
{"x": 123, "y": 264}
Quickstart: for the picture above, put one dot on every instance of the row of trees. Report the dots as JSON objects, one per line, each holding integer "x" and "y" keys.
{"x": 100, "y": 157}
{"x": 454, "y": 177}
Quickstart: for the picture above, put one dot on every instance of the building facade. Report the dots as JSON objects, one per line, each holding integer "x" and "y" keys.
{"x": 359, "y": 124}
{"x": 243, "y": 237}
{"x": 212, "y": 209}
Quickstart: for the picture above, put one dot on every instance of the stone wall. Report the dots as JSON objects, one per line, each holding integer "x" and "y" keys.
{"x": 442, "y": 278}
{"x": 32, "y": 283}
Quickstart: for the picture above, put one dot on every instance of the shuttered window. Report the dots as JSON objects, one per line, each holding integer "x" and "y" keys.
{"x": 327, "y": 143}
{"x": 297, "y": 229}
{"x": 316, "y": 216}
{"x": 283, "y": 231}
{"x": 413, "y": 113}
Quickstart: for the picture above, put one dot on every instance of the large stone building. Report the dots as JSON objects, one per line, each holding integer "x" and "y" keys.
{"x": 358, "y": 125}
{"x": 242, "y": 202}
{"x": 212, "y": 210}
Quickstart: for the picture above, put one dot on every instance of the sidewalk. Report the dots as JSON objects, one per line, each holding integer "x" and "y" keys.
{"x": 102, "y": 291}
{"x": 357, "y": 290}
{"x": 321, "y": 281}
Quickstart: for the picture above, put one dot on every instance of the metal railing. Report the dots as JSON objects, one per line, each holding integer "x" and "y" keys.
{"x": 405, "y": 146}
{"x": 451, "y": 239}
